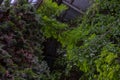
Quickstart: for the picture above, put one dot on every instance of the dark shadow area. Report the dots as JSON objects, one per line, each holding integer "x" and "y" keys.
{"x": 50, "y": 51}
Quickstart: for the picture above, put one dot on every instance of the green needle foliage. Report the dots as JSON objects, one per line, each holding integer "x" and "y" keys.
{"x": 49, "y": 11}
{"x": 93, "y": 45}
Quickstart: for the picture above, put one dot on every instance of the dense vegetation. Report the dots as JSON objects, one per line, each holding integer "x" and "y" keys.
{"x": 90, "y": 47}
{"x": 20, "y": 43}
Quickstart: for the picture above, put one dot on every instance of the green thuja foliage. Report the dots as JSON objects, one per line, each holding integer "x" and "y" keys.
{"x": 51, "y": 28}
{"x": 85, "y": 44}
{"x": 107, "y": 65}
{"x": 49, "y": 11}
{"x": 94, "y": 44}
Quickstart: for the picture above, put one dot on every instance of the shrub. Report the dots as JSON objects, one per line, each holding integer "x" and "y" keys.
{"x": 20, "y": 43}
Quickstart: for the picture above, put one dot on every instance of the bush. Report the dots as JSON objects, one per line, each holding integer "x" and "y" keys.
{"x": 85, "y": 44}
{"x": 20, "y": 43}
{"x": 92, "y": 46}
